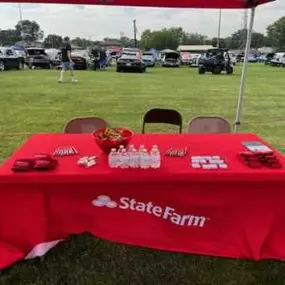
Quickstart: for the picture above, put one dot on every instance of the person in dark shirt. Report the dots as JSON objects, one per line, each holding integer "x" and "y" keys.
{"x": 103, "y": 59}
{"x": 96, "y": 56}
{"x": 66, "y": 61}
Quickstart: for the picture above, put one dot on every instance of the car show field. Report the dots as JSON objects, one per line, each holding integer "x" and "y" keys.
{"x": 33, "y": 102}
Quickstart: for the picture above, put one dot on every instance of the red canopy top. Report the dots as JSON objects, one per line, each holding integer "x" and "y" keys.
{"x": 219, "y": 4}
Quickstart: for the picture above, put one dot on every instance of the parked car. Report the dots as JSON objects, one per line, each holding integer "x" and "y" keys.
{"x": 113, "y": 56}
{"x": 194, "y": 60}
{"x": 81, "y": 59}
{"x": 170, "y": 58}
{"x": 185, "y": 58}
{"x": 240, "y": 57}
{"x": 38, "y": 58}
{"x": 130, "y": 62}
{"x": 278, "y": 59}
{"x": 216, "y": 61}
{"x": 136, "y": 51}
{"x": 252, "y": 58}
{"x": 148, "y": 59}
{"x": 9, "y": 59}
{"x": 54, "y": 55}
{"x": 268, "y": 58}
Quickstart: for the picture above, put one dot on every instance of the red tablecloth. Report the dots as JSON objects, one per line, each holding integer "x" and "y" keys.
{"x": 237, "y": 212}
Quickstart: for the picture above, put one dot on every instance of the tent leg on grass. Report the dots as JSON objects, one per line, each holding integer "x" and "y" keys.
{"x": 244, "y": 71}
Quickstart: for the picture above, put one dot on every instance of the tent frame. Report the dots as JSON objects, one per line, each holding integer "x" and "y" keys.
{"x": 244, "y": 72}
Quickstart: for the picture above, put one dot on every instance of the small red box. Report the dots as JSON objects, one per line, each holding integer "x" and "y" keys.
{"x": 45, "y": 164}
{"x": 23, "y": 165}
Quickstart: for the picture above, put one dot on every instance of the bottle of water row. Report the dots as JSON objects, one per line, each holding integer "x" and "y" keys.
{"x": 135, "y": 158}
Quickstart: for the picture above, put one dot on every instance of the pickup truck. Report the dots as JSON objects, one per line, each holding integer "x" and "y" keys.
{"x": 9, "y": 59}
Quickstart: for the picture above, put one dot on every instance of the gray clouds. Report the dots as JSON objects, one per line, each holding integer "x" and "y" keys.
{"x": 97, "y": 22}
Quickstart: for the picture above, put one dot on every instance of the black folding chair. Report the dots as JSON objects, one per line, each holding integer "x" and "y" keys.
{"x": 162, "y": 116}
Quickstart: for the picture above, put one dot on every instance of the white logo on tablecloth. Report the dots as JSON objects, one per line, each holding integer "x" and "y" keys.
{"x": 166, "y": 213}
{"x": 103, "y": 200}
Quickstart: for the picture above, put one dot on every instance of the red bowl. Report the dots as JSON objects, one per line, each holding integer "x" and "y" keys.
{"x": 107, "y": 144}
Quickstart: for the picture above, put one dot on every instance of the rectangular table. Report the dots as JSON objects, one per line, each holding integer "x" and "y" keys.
{"x": 238, "y": 212}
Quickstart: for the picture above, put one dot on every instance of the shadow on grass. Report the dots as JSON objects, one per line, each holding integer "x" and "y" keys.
{"x": 85, "y": 260}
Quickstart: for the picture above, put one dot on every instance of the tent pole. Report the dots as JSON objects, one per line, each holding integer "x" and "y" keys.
{"x": 244, "y": 71}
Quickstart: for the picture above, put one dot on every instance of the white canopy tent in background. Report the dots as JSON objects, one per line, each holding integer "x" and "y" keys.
{"x": 210, "y": 4}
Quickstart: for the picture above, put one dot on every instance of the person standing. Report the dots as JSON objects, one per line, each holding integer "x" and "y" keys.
{"x": 103, "y": 59}
{"x": 66, "y": 61}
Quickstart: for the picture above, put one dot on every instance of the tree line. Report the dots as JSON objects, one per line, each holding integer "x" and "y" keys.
{"x": 30, "y": 31}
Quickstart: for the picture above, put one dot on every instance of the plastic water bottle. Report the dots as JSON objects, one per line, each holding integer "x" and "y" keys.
{"x": 125, "y": 161}
{"x": 141, "y": 149}
{"x": 119, "y": 157}
{"x": 121, "y": 147}
{"x": 133, "y": 158}
{"x": 131, "y": 147}
{"x": 136, "y": 155}
{"x": 144, "y": 160}
{"x": 112, "y": 158}
{"x": 155, "y": 159}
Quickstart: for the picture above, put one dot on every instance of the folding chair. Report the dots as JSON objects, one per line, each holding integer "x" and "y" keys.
{"x": 163, "y": 116}
{"x": 85, "y": 125}
{"x": 208, "y": 124}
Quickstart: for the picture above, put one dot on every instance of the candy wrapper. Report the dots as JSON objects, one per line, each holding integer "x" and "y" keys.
{"x": 176, "y": 152}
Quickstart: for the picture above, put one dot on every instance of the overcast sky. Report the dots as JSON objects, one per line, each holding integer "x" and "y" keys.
{"x": 97, "y": 22}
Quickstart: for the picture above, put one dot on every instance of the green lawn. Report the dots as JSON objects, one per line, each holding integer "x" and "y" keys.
{"x": 33, "y": 101}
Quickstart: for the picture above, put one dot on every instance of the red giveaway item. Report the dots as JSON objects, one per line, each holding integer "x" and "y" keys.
{"x": 43, "y": 164}
{"x": 42, "y": 156}
{"x": 248, "y": 154}
{"x": 23, "y": 165}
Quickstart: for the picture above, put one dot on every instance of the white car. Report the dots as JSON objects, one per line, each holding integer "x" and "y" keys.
{"x": 194, "y": 60}
{"x": 278, "y": 59}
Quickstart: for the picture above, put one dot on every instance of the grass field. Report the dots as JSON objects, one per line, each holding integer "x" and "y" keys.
{"x": 33, "y": 101}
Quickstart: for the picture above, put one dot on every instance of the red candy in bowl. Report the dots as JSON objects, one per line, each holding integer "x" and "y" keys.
{"x": 108, "y": 138}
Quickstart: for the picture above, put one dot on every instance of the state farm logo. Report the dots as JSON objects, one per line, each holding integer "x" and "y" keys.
{"x": 103, "y": 200}
{"x": 166, "y": 213}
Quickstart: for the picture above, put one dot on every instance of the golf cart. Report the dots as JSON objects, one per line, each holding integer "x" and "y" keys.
{"x": 216, "y": 60}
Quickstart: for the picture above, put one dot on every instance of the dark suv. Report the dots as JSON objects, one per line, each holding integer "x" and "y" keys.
{"x": 215, "y": 61}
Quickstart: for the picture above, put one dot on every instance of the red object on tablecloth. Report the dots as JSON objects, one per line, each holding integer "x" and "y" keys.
{"x": 238, "y": 212}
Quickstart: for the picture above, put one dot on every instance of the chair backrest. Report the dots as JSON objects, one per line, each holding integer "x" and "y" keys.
{"x": 163, "y": 116}
{"x": 85, "y": 125}
{"x": 207, "y": 124}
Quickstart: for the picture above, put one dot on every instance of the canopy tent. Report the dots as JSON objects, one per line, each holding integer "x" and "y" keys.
{"x": 214, "y": 4}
